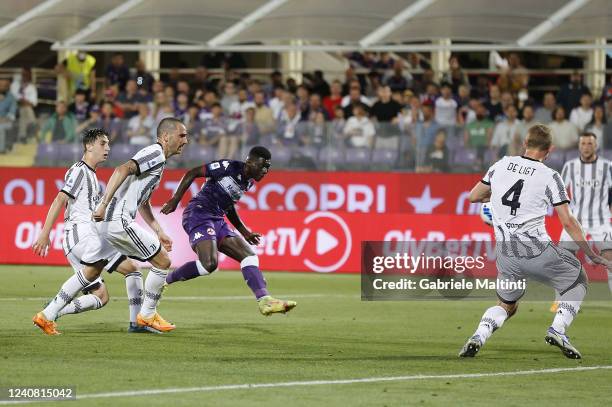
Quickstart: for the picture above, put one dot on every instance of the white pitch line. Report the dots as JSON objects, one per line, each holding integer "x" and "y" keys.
{"x": 202, "y": 298}
{"x": 252, "y": 386}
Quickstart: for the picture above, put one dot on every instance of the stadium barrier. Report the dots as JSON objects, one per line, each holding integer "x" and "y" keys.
{"x": 309, "y": 221}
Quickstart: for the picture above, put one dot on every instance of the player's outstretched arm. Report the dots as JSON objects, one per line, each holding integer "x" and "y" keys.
{"x": 480, "y": 193}
{"x": 192, "y": 174}
{"x": 41, "y": 245}
{"x": 251, "y": 237}
{"x": 115, "y": 181}
{"x": 146, "y": 212}
{"x": 573, "y": 228}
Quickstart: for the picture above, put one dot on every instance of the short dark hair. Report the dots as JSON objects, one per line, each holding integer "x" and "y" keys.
{"x": 588, "y": 134}
{"x": 91, "y": 135}
{"x": 260, "y": 152}
{"x": 167, "y": 125}
{"x": 556, "y": 109}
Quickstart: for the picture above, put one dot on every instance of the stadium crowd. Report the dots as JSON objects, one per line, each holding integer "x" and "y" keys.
{"x": 391, "y": 117}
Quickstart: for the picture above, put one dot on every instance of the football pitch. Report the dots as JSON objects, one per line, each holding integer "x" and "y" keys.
{"x": 333, "y": 349}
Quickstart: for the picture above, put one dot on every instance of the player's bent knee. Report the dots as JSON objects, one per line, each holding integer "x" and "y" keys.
{"x": 210, "y": 264}
{"x": 203, "y": 270}
{"x": 127, "y": 267}
{"x": 509, "y": 307}
{"x": 161, "y": 260}
{"x": 102, "y": 294}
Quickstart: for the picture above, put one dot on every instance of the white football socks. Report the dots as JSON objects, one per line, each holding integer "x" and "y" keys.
{"x": 69, "y": 290}
{"x": 133, "y": 286}
{"x": 569, "y": 305}
{"x": 81, "y": 304}
{"x": 491, "y": 320}
{"x": 152, "y": 291}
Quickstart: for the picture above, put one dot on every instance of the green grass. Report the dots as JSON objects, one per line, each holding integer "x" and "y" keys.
{"x": 331, "y": 335}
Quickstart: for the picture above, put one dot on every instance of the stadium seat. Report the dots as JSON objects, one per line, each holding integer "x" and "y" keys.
{"x": 199, "y": 155}
{"x": 46, "y": 155}
{"x": 356, "y": 158}
{"x": 280, "y": 154}
{"x": 69, "y": 153}
{"x": 464, "y": 158}
{"x": 384, "y": 159}
{"x": 331, "y": 158}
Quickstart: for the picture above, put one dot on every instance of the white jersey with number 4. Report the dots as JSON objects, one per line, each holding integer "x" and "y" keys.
{"x": 522, "y": 190}
{"x": 137, "y": 188}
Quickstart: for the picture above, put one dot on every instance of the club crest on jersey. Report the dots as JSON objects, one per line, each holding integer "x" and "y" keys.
{"x": 210, "y": 231}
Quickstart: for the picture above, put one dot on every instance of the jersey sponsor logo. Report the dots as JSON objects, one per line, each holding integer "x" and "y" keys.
{"x": 232, "y": 188}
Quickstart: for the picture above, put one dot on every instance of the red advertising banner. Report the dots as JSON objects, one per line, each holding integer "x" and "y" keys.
{"x": 351, "y": 192}
{"x": 319, "y": 241}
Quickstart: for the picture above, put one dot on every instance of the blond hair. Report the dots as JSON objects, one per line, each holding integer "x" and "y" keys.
{"x": 539, "y": 137}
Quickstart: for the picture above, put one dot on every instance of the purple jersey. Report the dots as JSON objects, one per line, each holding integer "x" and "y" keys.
{"x": 225, "y": 185}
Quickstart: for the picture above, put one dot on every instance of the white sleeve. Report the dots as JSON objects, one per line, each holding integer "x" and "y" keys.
{"x": 148, "y": 158}
{"x": 73, "y": 180}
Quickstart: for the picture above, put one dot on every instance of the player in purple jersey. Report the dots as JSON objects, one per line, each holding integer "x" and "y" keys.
{"x": 203, "y": 220}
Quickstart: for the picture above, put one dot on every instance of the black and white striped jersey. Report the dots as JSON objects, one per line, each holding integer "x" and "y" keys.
{"x": 589, "y": 185}
{"x": 81, "y": 185}
{"x": 522, "y": 190}
{"x": 137, "y": 188}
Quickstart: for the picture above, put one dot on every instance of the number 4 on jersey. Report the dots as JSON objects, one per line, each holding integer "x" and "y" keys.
{"x": 515, "y": 191}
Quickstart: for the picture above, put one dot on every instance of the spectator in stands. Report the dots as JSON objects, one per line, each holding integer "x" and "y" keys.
{"x": 455, "y": 75}
{"x": 481, "y": 89}
{"x": 110, "y": 96}
{"x": 399, "y": 80}
{"x": 503, "y": 135}
{"x": 314, "y": 108}
{"x": 170, "y": 93}
{"x": 478, "y": 134}
{"x": 192, "y": 121}
{"x": 597, "y": 125}
{"x": 303, "y": 98}
{"x": 110, "y": 122}
{"x": 80, "y": 107}
{"x": 446, "y": 110}
{"x": 60, "y": 127}
{"x": 506, "y": 100}
{"x": 277, "y": 103}
{"x": 130, "y": 98}
{"x": 289, "y": 130}
{"x": 565, "y": 132}
{"x": 144, "y": 80}
{"x": 117, "y": 72}
{"x": 140, "y": 127}
{"x": 353, "y": 98}
{"x": 92, "y": 121}
{"x": 276, "y": 80}
{"x": 385, "y": 109}
{"x": 319, "y": 85}
{"x": 182, "y": 105}
{"x": 543, "y": 114}
{"x": 359, "y": 130}
{"x": 182, "y": 86}
{"x": 570, "y": 93}
{"x": 527, "y": 121}
{"x": 264, "y": 117}
{"x": 229, "y": 139}
{"x": 432, "y": 93}
{"x": 206, "y": 103}
{"x": 494, "y": 105}
{"x": 160, "y": 107}
{"x": 8, "y": 111}
{"x": 244, "y": 101}
{"x": 437, "y": 157}
{"x": 316, "y": 131}
{"x": 424, "y": 132}
{"x": 463, "y": 95}
{"x": 78, "y": 70}
{"x": 373, "y": 85}
{"x": 410, "y": 114}
{"x": 229, "y": 100}
{"x": 519, "y": 79}
{"x": 582, "y": 115}
{"x": 337, "y": 127}
{"x": 250, "y": 131}
{"x": 24, "y": 91}
{"x": 214, "y": 128}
